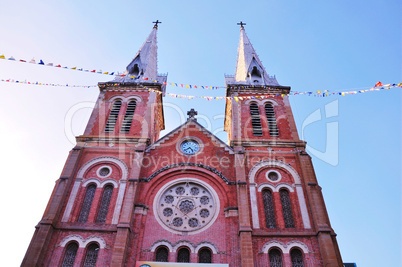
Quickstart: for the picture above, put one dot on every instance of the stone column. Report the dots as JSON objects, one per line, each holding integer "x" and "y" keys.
{"x": 246, "y": 245}
{"x": 124, "y": 225}
{"x": 326, "y": 236}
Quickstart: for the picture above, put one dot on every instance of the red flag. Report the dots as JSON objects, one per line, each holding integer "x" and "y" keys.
{"x": 93, "y": 71}
{"x": 379, "y": 84}
{"x": 145, "y": 78}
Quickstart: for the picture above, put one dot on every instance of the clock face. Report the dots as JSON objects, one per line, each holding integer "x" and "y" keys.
{"x": 189, "y": 147}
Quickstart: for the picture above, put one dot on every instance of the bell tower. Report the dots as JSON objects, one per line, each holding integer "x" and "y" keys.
{"x": 285, "y": 202}
{"x": 92, "y": 201}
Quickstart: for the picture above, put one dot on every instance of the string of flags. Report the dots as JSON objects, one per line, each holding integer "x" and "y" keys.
{"x": 46, "y": 84}
{"x": 323, "y": 93}
{"x": 378, "y": 87}
{"x": 116, "y": 73}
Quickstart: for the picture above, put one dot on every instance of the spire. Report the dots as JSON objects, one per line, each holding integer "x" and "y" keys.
{"x": 249, "y": 69}
{"x": 144, "y": 68}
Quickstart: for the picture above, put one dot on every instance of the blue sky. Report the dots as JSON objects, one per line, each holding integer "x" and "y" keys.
{"x": 308, "y": 45}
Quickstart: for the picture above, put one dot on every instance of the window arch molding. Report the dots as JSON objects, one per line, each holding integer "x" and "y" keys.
{"x": 184, "y": 244}
{"x": 285, "y": 248}
{"x": 126, "y": 99}
{"x": 100, "y": 184}
{"x": 262, "y": 102}
{"x": 206, "y": 245}
{"x": 269, "y": 101}
{"x": 80, "y": 176}
{"x": 82, "y": 243}
{"x": 162, "y": 243}
{"x": 275, "y": 188}
{"x": 117, "y": 161}
{"x": 297, "y": 185}
{"x": 274, "y": 163}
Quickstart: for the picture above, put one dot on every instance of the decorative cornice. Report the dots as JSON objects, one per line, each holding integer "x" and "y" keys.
{"x": 190, "y": 164}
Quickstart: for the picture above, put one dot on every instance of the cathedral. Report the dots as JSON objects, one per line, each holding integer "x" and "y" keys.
{"x": 127, "y": 197}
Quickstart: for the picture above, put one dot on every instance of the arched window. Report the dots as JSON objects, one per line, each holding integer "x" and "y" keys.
{"x": 269, "y": 208}
{"x": 114, "y": 113}
{"x": 273, "y": 127}
{"x": 128, "y": 118}
{"x": 297, "y": 258}
{"x": 69, "y": 256}
{"x": 205, "y": 255}
{"x": 162, "y": 254}
{"x": 255, "y": 120}
{"x": 104, "y": 206}
{"x": 183, "y": 255}
{"x": 275, "y": 258}
{"x": 91, "y": 256}
{"x": 86, "y": 207}
{"x": 287, "y": 209}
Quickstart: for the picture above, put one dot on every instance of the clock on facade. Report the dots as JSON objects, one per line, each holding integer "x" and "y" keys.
{"x": 189, "y": 147}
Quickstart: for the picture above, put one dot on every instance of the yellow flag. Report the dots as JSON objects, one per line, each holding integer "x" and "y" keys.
{"x": 106, "y": 73}
{"x": 74, "y": 68}
{"x": 2, "y": 57}
{"x": 237, "y": 100}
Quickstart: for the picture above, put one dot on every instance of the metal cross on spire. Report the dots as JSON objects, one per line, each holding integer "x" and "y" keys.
{"x": 156, "y": 23}
{"x": 191, "y": 113}
{"x": 241, "y": 23}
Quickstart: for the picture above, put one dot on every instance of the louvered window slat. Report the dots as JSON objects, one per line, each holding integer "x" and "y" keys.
{"x": 273, "y": 127}
{"x": 255, "y": 120}
{"x": 128, "y": 117}
{"x": 114, "y": 113}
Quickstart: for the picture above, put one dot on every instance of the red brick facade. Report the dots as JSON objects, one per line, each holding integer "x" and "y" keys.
{"x": 154, "y": 193}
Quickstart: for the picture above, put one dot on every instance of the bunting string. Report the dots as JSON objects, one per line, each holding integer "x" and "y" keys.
{"x": 322, "y": 93}
{"x": 378, "y": 87}
{"x": 116, "y": 73}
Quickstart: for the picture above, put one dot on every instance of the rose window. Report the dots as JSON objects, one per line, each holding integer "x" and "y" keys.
{"x": 186, "y": 206}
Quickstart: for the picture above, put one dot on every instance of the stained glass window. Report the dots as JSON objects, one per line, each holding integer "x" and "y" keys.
{"x": 287, "y": 209}
{"x": 269, "y": 209}
{"x": 183, "y": 255}
{"x": 275, "y": 258}
{"x": 104, "y": 206}
{"x": 270, "y": 113}
{"x": 114, "y": 113}
{"x": 162, "y": 254}
{"x": 297, "y": 258}
{"x": 128, "y": 118}
{"x": 69, "y": 257}
{"x": 86, "y": 207}
{"x": 205, "y": 256}
{"x": 91, "y": 256}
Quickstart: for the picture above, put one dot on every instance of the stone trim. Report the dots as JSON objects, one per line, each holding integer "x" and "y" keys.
{"x": 284, "y": 248}
{"x": 297, "y": 185}
{"x": 275, "y": 188}
{"x": 190, "y": 164}
{"x": 208, "y": 245}
{"x": 115, "y": 160}
{"x": 82, "y": 243}
{"x": 159, "y": 243}
{"x": 100, "y": 184}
